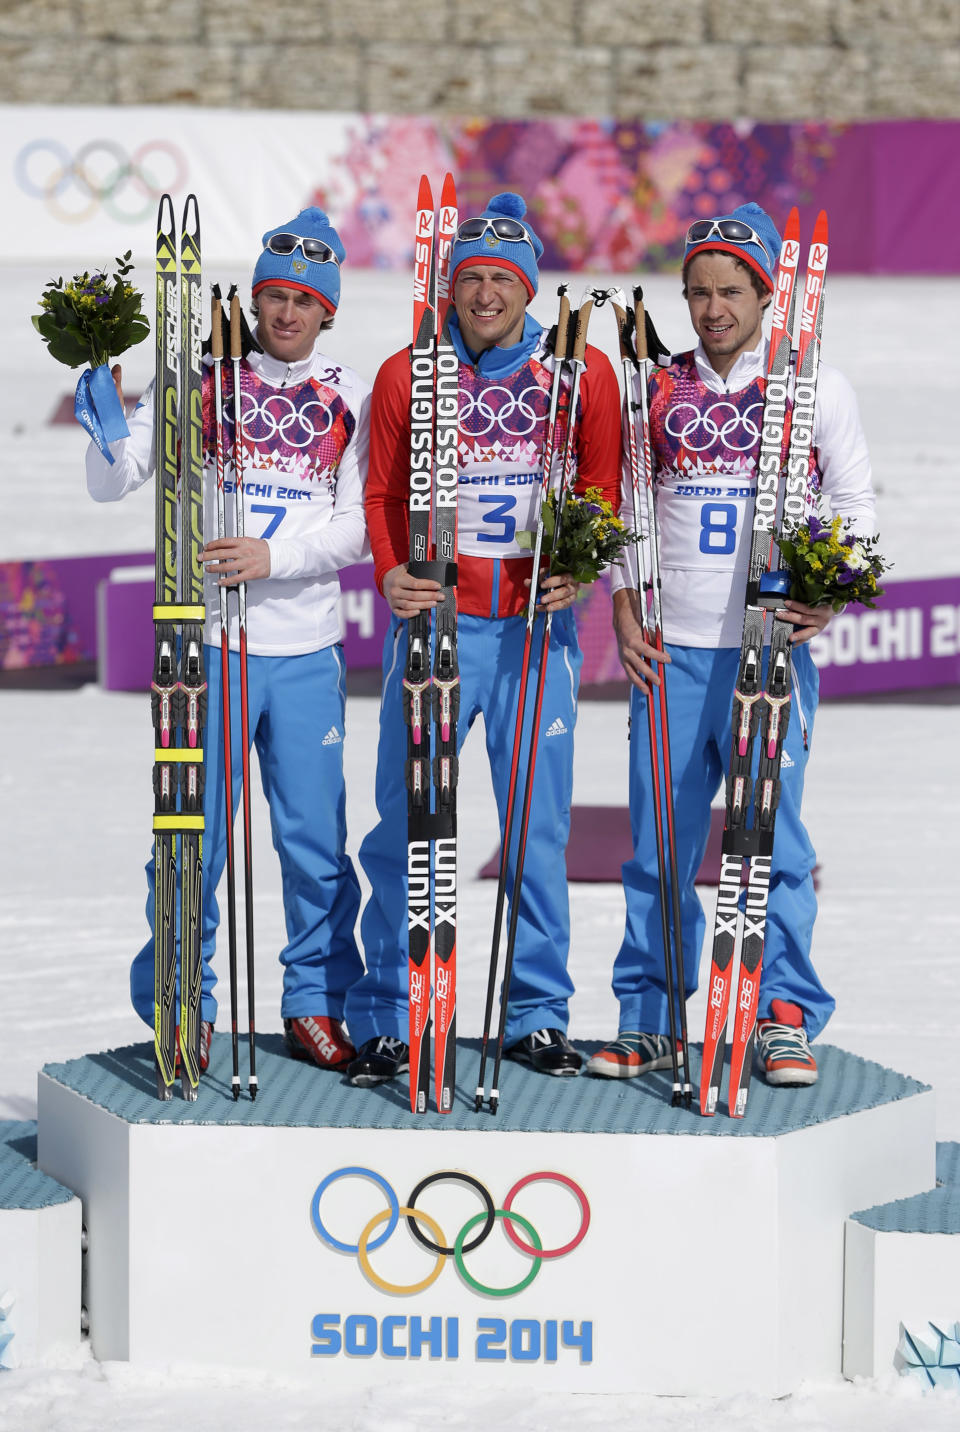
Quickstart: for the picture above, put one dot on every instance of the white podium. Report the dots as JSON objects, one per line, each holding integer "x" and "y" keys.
{"x": 587, "y": 1238}
{"x": 40, "y": 1254}
{"x": 902, "y": 1283}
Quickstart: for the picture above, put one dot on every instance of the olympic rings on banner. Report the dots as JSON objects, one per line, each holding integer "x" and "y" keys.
{"x": 101, "y": 174}
{"x": 524, "y": 1282}
{"x": 714, "y": 430}
{"x": 578, "y": 1194}
{"x": 485, "y": 1220}
{"x": 381, "y": 1283}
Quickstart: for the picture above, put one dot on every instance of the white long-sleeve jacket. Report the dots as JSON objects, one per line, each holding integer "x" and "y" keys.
{"x": 705, "y": 434}
{"x": 305, "y": 442}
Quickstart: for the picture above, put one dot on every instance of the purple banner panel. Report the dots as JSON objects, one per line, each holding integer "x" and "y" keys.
{"x": 601, "y": 842}
{"x": 891, "y": 189}
{"x": 125, "y": 628}
{"x": 49, "y": 617}
{"x": 82, "y": 609}
{"x": 911, "y": 639}
{"x": 125, "y": 658}
{"x": 48, "y": 609}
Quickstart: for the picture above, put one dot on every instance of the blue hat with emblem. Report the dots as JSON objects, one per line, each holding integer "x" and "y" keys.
{"x": 747, "y": 233}
{"x": 500, "y": 235}
{"x": 306, "y": 253}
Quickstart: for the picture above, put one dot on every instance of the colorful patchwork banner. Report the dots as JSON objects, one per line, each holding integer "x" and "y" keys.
{"x": 608, "y": 196}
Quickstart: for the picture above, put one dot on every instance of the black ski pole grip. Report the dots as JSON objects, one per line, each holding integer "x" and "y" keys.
{"x": 216, "y": 326}
{"x": 563, "y": 324}
{"x": 443, "y": 572}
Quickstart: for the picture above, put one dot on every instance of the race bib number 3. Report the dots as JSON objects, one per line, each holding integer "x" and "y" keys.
{"x": 492, "y": 509}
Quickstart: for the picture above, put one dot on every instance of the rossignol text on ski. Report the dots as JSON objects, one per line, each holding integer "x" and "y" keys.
{"x": 763, "y": 700}
{"x": 433, "y": 693}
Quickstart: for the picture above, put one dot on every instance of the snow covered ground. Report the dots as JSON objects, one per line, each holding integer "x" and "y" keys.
{"x": 881, "y": 804}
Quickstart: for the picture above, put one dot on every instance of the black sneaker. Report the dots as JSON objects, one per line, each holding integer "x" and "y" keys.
{"x": 378, "y": 1060}
{"x": 549, "y": 1051}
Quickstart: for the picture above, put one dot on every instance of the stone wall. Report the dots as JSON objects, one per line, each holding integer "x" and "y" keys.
{"x": 704, "y": 59}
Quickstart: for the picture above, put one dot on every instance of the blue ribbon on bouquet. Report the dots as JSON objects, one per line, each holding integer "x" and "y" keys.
{"x": 97, "y": 408}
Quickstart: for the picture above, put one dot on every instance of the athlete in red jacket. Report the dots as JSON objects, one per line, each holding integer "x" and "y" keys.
{"x": 505, "y": 377}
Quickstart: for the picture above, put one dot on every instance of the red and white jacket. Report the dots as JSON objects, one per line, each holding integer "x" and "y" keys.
{"x": 502, "y": 423}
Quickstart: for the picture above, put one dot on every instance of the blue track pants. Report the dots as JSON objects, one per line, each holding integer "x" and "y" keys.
{"x": 700, "y": 685}
{"x": 490, "y": 654}
{"x": 296, "y": 722}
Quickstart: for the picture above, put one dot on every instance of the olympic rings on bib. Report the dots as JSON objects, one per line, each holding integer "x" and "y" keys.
{"x": 279, "y": 417}
{"x": 437, "y": 1243}
{"x": 481, "y": 412}
{"x": 726, "y": 432}
{"x": 100, "y": 174}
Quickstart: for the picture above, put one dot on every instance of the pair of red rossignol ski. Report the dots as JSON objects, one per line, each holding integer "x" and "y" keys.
{"x": 784, "y": 457}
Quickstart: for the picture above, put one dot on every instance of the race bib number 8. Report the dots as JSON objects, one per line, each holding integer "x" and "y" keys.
{"x": 718, "y": 528}
{"x": 702, "y": 525}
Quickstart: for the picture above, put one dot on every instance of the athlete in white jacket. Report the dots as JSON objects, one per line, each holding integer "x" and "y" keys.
{"x": 706, "y": 412}
{"x": 305, "y": 432}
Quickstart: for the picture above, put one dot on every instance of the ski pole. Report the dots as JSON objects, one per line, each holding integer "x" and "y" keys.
{"x": 236, "y": 353}
{"x": 546, "y": 476}
{"x": 648, "y": 575}
{"x": 577, "y": 364}
{"x": 216, "y": 348}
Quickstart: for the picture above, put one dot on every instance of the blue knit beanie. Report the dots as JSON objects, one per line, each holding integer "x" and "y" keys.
{"x": 513, "y": 254}
{"x": 294, "y": 270}
{"x": 761, "y": 257}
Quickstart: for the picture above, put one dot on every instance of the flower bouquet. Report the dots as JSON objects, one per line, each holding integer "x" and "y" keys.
{"x": 89, "y": 320}
{"x": 591, "y": 536}
{"x": 827, "y": 564}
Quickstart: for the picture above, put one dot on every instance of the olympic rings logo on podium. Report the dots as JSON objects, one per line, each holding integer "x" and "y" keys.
{"x": 100, "y": 174}
{"x": 436, "y": 1241}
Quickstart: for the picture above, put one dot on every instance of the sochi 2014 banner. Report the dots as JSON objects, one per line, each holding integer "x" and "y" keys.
{"x": 99, "y": 609}
{"x": 605, "y": 195}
